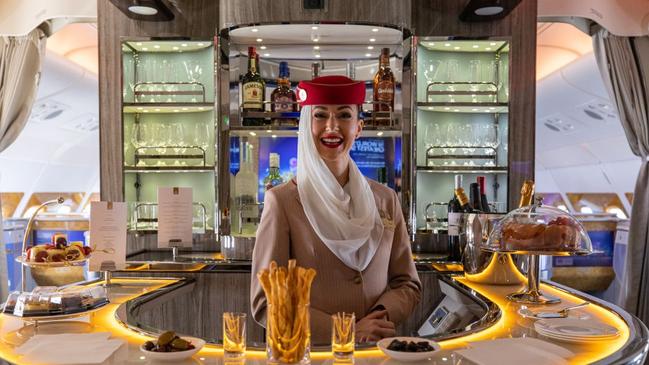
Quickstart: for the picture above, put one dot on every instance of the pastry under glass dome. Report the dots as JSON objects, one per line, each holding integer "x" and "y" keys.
{"x": 538, "y": 230}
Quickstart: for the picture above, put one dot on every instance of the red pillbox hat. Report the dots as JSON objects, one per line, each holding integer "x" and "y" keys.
{"x": 330, "y": 90}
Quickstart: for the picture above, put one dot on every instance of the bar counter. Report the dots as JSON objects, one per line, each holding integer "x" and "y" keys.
{"x": 500, "y": 320}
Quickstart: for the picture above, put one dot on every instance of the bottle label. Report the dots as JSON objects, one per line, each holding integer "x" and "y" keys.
{"x": 385, "y": 91}
{"x": 253, "y": 95}
{"x": 283, "y": 104}
{"x": 454, "y": 220}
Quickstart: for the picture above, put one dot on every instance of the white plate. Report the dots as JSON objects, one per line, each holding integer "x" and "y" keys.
{"x": 407, "y": 356}
{"x": 175, "y": 356}
{"x": 575, "y": 329}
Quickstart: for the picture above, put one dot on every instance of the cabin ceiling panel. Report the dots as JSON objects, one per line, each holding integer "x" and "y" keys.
{"x": 611, "y": 149}
{"x": 544, "y": 182}
{"x": 582, "y": 179}
{"x": 23, "y": 174}
{"x": 57, "y": 179}
{"x": 386, "y": 12}
{"x": 566, "y": 156}
{"x": 623, "y": 174}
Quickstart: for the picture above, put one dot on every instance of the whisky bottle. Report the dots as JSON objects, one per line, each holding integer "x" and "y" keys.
{"x": 283, "y": 98}
{"x": 383, "y": 90}
{"x": 273, "y": 178}
{"x": 253, "y": 88}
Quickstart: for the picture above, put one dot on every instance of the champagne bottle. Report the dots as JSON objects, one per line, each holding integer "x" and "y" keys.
{"x": 483, "y": 195}
{"x": 465, "y": 206}
{"x": 527, "y": 193}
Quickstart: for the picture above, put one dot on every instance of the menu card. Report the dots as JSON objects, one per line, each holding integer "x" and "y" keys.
{"x": 175, "y": 215}
{"x": 107, "y": 236}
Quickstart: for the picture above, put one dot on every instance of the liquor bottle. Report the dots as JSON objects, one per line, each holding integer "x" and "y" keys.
{"x": 246, "y": 212}
{"x": 253, "y": 88}
{"x": 454, "y": 220}
{"x": 465, "y": 205}
{"x": 283, "y": 98}
{"x": 527, "y": 193}
{"x": 474, "y": 195}
{"x": 315, "y": 70}
{"x": 382, "y": 175}
{"x": 483, "y": 195}
{"x": 273, "y": 178}
{"x": 383, "y": 89}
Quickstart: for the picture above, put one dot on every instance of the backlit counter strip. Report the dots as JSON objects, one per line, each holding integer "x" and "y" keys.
{"x": 510, "y": 324}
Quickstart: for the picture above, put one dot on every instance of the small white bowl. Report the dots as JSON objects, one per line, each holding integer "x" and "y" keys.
{"x": 407, "y": 356}
{"x": 175, "y": 356}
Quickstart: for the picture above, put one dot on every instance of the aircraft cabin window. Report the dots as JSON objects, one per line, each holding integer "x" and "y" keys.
{"x": 594, "y": 203}
{"x": 70, "y": 205}
{"x": 10, "y": 202}
{"x": 554, "y": 199}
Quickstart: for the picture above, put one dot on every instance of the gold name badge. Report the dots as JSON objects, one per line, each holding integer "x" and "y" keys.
{"x": 387, "y": 222}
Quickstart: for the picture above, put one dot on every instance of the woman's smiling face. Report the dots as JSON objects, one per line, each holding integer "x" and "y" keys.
{"x": 334, "y": 129}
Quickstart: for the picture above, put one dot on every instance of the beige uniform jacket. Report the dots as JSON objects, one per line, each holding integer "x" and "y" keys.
{"x": 389, "y": 280}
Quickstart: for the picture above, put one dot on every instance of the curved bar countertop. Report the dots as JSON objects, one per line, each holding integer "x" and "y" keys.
{"x": 501, "y": 321}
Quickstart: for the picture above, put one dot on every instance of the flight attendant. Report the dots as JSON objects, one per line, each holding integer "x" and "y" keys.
{"x": 333, "y": 219}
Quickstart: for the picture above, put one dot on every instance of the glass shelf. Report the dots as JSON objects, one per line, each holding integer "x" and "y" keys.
{"x": 175, "y": 46}
{"x": 136, "y": 169}
{"x": 492, "y": 108}
{"x": 287, "y": 131}
{"x": 464, "y": 169}
{"x": 167, "y": 107}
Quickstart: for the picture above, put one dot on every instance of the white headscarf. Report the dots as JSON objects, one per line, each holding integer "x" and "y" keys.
{"x": 346, "y": 220}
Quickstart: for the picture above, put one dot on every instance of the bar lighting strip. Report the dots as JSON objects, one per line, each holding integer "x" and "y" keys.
{"x": 106, "y": 319}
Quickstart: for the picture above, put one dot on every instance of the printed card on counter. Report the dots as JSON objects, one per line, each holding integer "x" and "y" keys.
{"x": 175, "y": 217}
{"x": 108, "y": 236}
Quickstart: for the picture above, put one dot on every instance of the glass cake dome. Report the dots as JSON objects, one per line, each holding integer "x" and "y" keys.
{"x": 539, "y": 229}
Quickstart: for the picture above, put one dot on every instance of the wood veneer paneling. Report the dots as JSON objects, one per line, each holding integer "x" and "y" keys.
{"x": 389, "y": 12}
{"x": 193, "y": 18}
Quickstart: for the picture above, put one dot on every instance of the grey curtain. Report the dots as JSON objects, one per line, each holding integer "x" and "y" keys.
{"x": 624, "y": 65}
{"x": 20, "y": 64}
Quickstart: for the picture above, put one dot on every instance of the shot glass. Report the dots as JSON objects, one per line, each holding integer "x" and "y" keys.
{"x": 343, "y": 335}
{"x": 234, "y": 334}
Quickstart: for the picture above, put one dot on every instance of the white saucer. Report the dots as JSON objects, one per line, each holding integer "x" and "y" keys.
{"x": 575, "y": 330}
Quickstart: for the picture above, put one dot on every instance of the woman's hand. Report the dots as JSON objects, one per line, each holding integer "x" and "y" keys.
{"x": 374, "y": 327}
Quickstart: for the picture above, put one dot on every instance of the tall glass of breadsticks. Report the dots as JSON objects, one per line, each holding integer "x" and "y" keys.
{"x": 288, "y": 293}
{"x": 536, "y": 230}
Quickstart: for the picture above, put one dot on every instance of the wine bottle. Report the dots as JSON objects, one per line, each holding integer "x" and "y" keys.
{"x": 253, "y": 88}
{"x": 527, "y": 193}
{"x": 474, "y": 195}
{"x": 454, "y": 218}
{"x": 483, "y": 195}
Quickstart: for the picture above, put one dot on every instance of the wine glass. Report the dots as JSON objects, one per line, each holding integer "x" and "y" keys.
{"x": 431, "y": 70}
{"x": 452, "y": 69}
{"x": 475, "y": 69}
